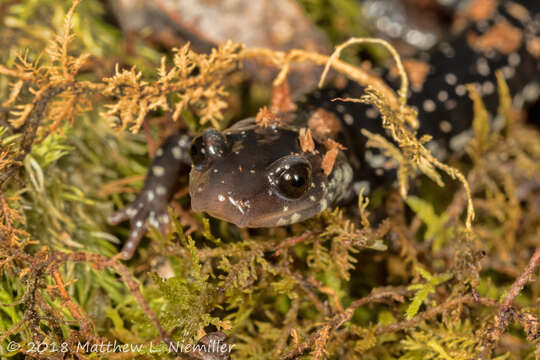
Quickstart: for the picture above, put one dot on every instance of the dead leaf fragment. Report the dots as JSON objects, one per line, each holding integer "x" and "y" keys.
{"x": 329, "y": 158}
{"x": 306, "y": 140}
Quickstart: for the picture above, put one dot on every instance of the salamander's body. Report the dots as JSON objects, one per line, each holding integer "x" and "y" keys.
{"x": 264, "y": 176}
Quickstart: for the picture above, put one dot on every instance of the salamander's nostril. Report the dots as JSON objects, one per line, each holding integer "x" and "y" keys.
{"x": 216, "y": 144}
{"x": 210, "y": 144}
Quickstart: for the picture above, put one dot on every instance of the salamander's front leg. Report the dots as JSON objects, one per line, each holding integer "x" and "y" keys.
{"x": 172, "y": 162}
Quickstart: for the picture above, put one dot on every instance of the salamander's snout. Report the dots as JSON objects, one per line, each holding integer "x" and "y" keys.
{"x": 206, "y": 147}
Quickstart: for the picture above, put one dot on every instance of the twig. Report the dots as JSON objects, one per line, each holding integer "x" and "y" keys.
{"x": 39, "y": 104}
{"x": 290, "y": 242}
{"x": 75, "y": 310}
{"x": 337, "y": 320}
{"x": 428, "y": 314}
{"x": 12, "y": 330}
{"x": 505, "y": 312}
{"x": 290, "y": 320}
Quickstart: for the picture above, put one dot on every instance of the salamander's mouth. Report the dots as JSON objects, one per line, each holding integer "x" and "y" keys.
{"x": 226, "y": 208}
{"x": 247, "y": 214}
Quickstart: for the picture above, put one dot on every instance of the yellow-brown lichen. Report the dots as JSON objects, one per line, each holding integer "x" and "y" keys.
{"x": 266, "y": 117}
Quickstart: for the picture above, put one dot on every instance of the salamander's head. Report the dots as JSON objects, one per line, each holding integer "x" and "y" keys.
{"x": 256, "y": 176}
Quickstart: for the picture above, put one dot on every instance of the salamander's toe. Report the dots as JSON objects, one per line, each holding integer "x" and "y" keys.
{"x": 141, "y": 212}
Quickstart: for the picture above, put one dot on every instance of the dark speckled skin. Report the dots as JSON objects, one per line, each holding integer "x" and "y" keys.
{"x": 237, "y": 179}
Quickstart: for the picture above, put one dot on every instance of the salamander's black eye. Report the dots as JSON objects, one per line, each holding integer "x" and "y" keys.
{"x": 294, "y": 180}
{"x": 197, "y": 152}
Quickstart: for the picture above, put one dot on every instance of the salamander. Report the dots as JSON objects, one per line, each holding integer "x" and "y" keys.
{"x": 264, "y": 176}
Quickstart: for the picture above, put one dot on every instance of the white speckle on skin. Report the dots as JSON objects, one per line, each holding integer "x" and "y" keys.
{"x": 285, "y": 208}
{"x": 461, "y": 90}
{"x": 295, "y": 217}
{"x": 338, "y": 175}
{"x": 129, "y": 245}
{"x": 482, "y": 67}
{"x": 252, "y": 171}
{"x": 508, "y": 72}
{"x": 488, "y": 88}
{"x": 450, "y": 104}
{"x": 436, "y": 149}
{"x": 159, "y": 152}
{"x": 177, "y": 152}
{"x": 150, "y": 195}
{"x": 138, "y": 224}
{"x": 374, "y": 160}
{"x": 447, "y": 49}
{"x": 442, "y": 96}
{"x": 164, "y": 219}
{"x": 458, "y": 142}
{"x": 160, "y": 190}
{"x": 131, "y": 212}
{"x": 347, "y": 174}
{"x": 450, "y": 79}
{"x": 359, "y": 185}
{"x": 324, "y": 204}
{"x": 429, "y": 105}
{"x": 312, "y": 198}
{"x": 183, "y": 141}
{"x": 445, "y": 126}
{"x": 531, "y": 91}
{"x": 221, "y": 197}
{"x": 348, "y": 119}
{"x": 372, "y": 113}
{"x": 158, "y": 170}
{"x": 514, "y": 59}
{"x": 281, "y": 222}
{"x": 152, "y": 220}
